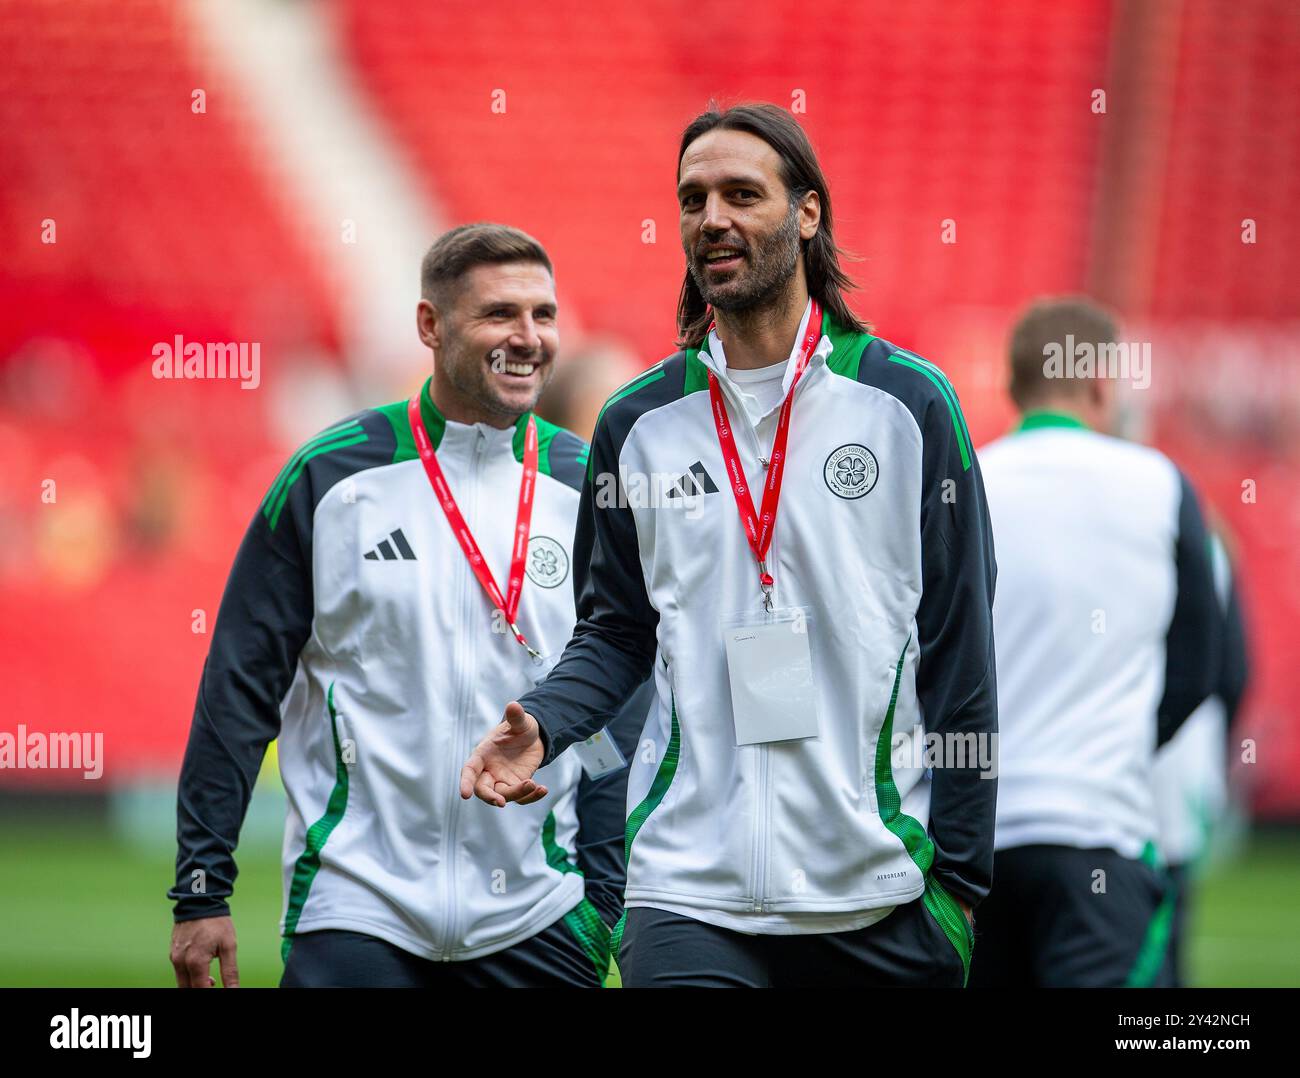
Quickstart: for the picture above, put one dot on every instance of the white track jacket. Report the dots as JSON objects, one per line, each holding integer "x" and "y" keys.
{"x": 353, "y": 629}
{"x": 883, "y": 538}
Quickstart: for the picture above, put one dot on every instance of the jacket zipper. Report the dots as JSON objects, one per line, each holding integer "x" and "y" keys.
{"x": 444, "y": 938}
{"x": 763, "y": 808}
{"x": 462, "y": 702}
{"x": 761, "y": 829}
{"x": 758, "y": 862}
{"x": 764, "y": 750}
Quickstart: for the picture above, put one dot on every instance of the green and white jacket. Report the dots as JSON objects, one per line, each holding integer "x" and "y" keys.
{"x": 353, "y": 629}
{"x": 883, "y": 539}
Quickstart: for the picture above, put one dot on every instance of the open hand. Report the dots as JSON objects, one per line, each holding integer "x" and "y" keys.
{"x": 501, "y": 767}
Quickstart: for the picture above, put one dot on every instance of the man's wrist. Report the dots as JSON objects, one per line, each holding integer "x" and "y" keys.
{"x": 198, "y": 908}
{"x": 542, "y": 735}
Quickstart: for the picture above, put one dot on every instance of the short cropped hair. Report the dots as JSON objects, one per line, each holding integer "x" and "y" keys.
{"x": 1047, "y": 322}
{"x": 457, "y": 252}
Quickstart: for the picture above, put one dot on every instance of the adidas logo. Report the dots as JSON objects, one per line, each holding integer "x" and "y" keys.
{"x": 695, "y": 481}
{"x": 398, "y": 550}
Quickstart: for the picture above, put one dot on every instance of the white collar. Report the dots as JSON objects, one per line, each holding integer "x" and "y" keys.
{"x": 714, "y": 357}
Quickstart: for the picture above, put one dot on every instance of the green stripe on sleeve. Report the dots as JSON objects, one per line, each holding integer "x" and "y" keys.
{"x": 292, "y": 463}
{"x": 890, "y": 804}
{"x": 949, "y": 398}
{"x": 273, "y": 512}
{"x": 308, "y": 863}
{"x": 556, "y": 855}
{"x": 915, "y": 839}
{"x": 950, "y": 391}
{"x": 583, "y": 921}
{"x": 658, "y": 788}
{"x": 1155, "y": 943}
{"x": 639, "y": 382}
{"x": 592, "y": 934}
{"x": 946, "y": 910}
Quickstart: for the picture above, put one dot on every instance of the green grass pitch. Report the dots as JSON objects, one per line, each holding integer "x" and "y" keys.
{"x": 82, "y": 908}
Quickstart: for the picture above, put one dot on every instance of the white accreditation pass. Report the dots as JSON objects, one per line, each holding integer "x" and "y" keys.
{"x": 769, "y": 665}
{"x": 599, "y": 755}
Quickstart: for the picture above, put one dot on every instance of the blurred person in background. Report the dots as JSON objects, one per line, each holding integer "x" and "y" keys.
{"x": 585, "y": 378}
{"x": 1108, "y": 636}
{"x": 1191, "y": 771}
{"x": 353, "y": 628}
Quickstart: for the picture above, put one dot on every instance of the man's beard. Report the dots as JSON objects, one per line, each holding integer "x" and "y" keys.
{"x": 468, "y": 374}
{"x": 772, "y": 265}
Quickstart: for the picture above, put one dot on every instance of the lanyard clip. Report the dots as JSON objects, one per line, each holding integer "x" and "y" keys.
{"x": 532, "y": 651}
{"x": 765, "y": 582}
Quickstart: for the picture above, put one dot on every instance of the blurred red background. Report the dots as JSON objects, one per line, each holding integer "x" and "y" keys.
{"x": 169, "y": 221}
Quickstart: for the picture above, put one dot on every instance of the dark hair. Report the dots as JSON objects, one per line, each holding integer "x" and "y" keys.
{"x": 457, "y": 252}
{"x": 1047, "y": 322}
{"x": 800, "y": 173}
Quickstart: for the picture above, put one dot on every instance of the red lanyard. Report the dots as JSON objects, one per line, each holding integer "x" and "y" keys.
{"x": 508, "y": 605}
{"x": 759, "y": 529}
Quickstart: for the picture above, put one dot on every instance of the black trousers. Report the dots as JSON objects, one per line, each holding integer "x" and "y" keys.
{"x": 907, "y": 948}
{"x": 331, "y": 958}
{"x": 1060, "y": 917}
{"x": 1182, "y": 882}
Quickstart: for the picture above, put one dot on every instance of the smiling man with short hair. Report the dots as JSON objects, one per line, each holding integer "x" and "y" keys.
{"x": 364, "y": 626}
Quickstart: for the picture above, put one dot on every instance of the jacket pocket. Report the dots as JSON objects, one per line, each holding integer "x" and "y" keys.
{"x": 879, "y": 763}
{"x": 950, "y": 917}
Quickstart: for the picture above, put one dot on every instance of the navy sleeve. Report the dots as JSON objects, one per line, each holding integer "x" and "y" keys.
{"x": 613, "y": 645}
{"x": 1194, "y": 641}
{"x": 262, "y": 625}
{"x": 956, "y": 678}
{"x": 263, "y": 622}
{"x": 602, "y": 802}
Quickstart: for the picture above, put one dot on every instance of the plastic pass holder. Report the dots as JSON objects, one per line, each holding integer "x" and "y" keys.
{"x": 769, "y": 666}
{"x": 599, "y": 755}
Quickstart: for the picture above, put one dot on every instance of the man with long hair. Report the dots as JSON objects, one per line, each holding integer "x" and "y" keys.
{"x": 785, "y": 826}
